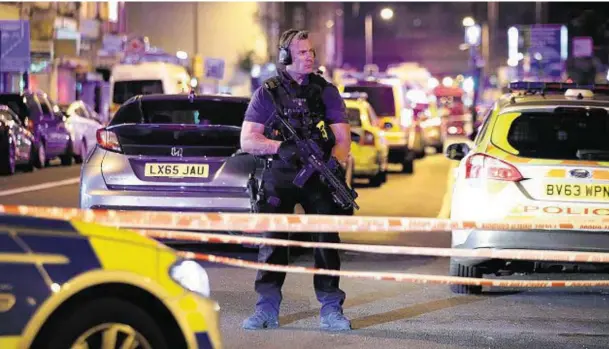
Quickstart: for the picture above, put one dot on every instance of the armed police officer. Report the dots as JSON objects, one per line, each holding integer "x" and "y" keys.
{"x": 296, "y": 88}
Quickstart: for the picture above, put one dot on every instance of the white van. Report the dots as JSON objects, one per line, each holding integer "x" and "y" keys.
{"x": 128, "y": 80}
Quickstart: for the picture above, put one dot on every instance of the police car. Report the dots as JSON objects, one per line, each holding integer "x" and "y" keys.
{"x": 385, "y": 94}
{"x": 80, "y": 285}
{"x": 370, "y": 152}
{"x": 542, "y": 152}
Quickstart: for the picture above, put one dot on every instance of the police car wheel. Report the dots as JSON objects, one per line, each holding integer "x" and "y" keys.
{"x": 457, "y": 269}
{"x": 88, "y": 324}
{"x": 377, "y": 180}
{"x": 408, "y": 166}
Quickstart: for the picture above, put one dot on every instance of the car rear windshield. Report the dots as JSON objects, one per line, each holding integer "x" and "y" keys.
{"x": 380, "y": 98}
{"x": 15, "y": 102}
{"x": 563, "y": 134}
{"x": 123, "y": 90}
{"x": 353, "y": 116}
{"x": 201, "y": 112}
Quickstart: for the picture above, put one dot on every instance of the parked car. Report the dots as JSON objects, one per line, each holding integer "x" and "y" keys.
{"x": 45, "y": 121}
{"x": 82, "y": 122}
{"x": 16, "y": 143}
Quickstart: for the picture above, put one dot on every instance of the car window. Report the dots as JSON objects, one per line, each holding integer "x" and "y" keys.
{"x": 354, "y": 117}
{"x": 380, "y": 97}
{"x": 560, "y": 134}
{"x": 15, "y": 102}
{"x": 46, "y": 107}
{"x": 123, "y": 90}
{"x": 202, "y": 112}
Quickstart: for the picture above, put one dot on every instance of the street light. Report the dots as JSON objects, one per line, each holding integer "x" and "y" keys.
{"x": 386, "y": 14}
{"x": 468, "y": 21}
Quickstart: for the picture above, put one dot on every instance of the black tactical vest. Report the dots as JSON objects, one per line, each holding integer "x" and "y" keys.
{"x": 309, "y": 126}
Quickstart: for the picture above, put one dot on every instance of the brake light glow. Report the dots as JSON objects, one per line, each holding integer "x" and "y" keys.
{"x": 29, "y": 124}
{"x": 487, "y": 167}
{"x": 108, "y": 140}
{"x": 368, "y": 138}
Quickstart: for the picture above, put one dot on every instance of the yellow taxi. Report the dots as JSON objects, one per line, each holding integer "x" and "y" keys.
{"x": 69, "y": 284}
{"x": 542, "y": 152}
{"x": 386, "y": 96}
{"x": 368, "y": 148}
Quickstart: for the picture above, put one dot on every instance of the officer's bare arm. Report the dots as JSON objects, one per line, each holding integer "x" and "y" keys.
{"x": 254, "y": 142}
{"x": 341, "y": 149}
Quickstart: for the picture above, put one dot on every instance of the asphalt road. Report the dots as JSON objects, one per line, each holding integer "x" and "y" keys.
{"x": 386, "y": 314}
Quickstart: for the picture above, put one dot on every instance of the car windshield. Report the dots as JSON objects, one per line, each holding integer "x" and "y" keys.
{"x": 182, "y": 111}
{"x": 123, "y": 90}
{"x": 566, "y": 134}
{"x": 15, "y": 102}
{"x": 353, "y": 116}
{"x": 380, "y": 98}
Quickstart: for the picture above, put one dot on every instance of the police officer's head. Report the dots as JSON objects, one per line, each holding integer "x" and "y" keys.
{"x": 296, "y": 51}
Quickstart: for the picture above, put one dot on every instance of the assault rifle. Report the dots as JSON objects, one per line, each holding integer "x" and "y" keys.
{"x": 330, "y": 172}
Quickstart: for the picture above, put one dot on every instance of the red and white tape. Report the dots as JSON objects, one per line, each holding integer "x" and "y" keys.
{"x": 400, "y": 277}
{"x": 537, "y": 255}
{"x": 252, "y": 223}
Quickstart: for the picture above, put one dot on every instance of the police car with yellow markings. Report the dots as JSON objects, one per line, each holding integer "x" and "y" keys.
{"x": 541, "y": 152}
{"x": 368, "y": 147}
{"x": 386, "y": 95}
{"x": 80, "y": 285}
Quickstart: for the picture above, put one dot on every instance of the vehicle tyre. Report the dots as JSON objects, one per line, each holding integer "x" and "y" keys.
{"x": 408, "y": 166}
{"x": 439, "y": 148}
{"x": 378, "y": 180}
{"x": 79, "y": 158}
{"x": 461, "y": 270}
{"x": 68, "y": 156}
{"x": 87, "y": 323}
{"x": 8, "y": 162}
{"x": 40, "y": 158}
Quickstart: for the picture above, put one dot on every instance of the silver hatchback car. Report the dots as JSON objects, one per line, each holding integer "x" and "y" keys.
{"x": 173, "y": 153}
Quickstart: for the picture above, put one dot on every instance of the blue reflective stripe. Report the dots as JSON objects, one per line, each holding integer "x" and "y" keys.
{"x": 203, "y": 341}
{"x": 76, "y": 248}
{"x": 53, "y": 226}
{"x": 25, "y": 283}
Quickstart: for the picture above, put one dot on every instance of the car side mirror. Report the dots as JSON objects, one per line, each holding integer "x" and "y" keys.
{"x": 457, "y": 151}
{"x": 355, "y": 137}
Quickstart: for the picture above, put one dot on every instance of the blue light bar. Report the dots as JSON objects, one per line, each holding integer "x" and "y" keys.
{"x": 555, "y": 86}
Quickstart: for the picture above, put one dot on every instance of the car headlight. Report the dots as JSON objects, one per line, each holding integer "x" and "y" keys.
{"x": 190, "y": 275}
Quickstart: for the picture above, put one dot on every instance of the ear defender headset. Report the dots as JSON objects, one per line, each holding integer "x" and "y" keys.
{"x": 285, "y": 57}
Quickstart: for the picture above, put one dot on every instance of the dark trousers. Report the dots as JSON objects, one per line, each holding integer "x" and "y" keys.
{"x": 315, "y": 198}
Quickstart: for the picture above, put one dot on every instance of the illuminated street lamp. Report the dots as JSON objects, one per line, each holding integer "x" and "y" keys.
{"x": 386, "y": 14}
{"x": 468, "y": 21}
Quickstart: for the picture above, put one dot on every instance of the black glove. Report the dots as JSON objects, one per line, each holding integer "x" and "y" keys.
{"x": 288, "y": 151}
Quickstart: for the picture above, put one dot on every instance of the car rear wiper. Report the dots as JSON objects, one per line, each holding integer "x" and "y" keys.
{"x": 592, "y": 154}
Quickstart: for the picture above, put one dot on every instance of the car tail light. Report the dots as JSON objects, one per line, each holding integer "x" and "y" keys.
{"x": 29, "y": 124}
{"x": 485, "y": 166}
{"x": 108, "y": 140}
{"x": 368, "y": 138}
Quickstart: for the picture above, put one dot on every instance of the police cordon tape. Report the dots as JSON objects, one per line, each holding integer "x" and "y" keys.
{"x": 390, "y": 276}
{"x": 259, "y": 222}
{"x": 302, "y": 223}
{"x": 538, "y": 255}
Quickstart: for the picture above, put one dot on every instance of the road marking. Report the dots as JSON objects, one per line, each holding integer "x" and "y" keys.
{"x": 41, "y": 186}
{"x": 448, "y": 195}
